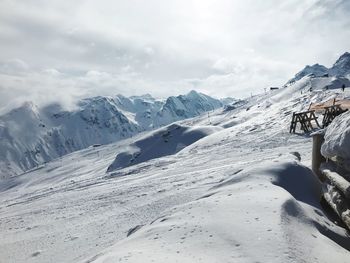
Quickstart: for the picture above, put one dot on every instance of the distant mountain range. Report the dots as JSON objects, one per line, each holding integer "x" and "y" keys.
{"x": 30, "y": 135}
{"x": 341, "y": 68}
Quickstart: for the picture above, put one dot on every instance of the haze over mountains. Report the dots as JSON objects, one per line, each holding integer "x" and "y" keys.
{"x": 31, "y": 135}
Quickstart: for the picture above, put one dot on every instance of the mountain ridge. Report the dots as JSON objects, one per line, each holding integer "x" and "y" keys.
{"x": 340, "y": 68}
{"x": 31, "y": 135}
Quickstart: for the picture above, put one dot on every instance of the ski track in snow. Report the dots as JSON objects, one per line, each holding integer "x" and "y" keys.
{"x": 186, "y": 205}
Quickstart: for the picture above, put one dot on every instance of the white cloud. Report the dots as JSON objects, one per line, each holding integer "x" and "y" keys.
{"x": 227, "y": 47}
{"x": 52, "y": 72}
{"x": 14, "y": 66}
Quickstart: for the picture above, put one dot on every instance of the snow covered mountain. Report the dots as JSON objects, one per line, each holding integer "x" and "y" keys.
{"x": 236, "y": 188}
{"x": 186, "y": 106}
{"x": 233, "y": 188}
{"x": 341, "y": 68}
{"x": 31, "y": 136}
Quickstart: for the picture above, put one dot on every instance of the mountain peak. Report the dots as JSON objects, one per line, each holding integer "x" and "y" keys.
{"x": 343, "y": 59}
{"x": 193, "y": 93}
{"x": 346, "y": 54}
{"x": 315, "y": 67}
{"x": 317, "y": 70}
{"x": 342, "y": 66}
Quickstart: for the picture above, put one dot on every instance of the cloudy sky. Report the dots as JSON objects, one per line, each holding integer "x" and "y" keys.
{"x": 64, "y": 50}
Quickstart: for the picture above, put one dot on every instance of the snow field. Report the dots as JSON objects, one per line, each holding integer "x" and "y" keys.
{"x": 235, "y": 195}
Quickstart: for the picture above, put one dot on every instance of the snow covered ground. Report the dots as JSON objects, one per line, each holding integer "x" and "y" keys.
{"x": 337, "y": 138}
{"x": 239, "y": 194}
{"x": 164, "y": 142}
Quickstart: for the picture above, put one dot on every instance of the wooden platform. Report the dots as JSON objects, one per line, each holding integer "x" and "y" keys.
{"x": 320, "y": 107}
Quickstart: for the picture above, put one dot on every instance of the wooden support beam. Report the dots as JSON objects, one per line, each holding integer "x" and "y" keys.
{"x": 292, "y": 125}
{"x": 336, "y": 192}
{"x": 330, "y": 113}
{"x": 305, "y": 119}
{"x": 337, "y": 180}
{"x": 338, "y": 204}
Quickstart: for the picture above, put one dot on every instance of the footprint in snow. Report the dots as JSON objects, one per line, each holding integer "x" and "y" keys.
{"x": 37, "y": 253}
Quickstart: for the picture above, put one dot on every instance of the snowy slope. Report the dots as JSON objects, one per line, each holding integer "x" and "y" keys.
{"x": 163, "y": 142}
{"x": 31, "y": 136}
{"x": 239, "y": 194}
{"x": 337, "y": 138}
{"x": 266, "y": 214}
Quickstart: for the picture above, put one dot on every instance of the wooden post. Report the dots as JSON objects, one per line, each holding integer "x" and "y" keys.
{"x": 317, "y": 158}
{"x": 292, "y": 129}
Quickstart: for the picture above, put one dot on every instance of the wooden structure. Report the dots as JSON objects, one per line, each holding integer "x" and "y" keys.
{"x": 335, "y": 178}
{"x": 337, "y": 193}
{"x": 330, "y": 109}
{"x": 305, "y": 120}
{"x": 330, "y": 113}
{"x": 320, "y": 107}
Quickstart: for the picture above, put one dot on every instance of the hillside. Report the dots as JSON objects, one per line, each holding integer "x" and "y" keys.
{"x": 242, "y": 193}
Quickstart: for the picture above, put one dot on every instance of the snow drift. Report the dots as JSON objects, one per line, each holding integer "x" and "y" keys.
{"x": 269, "y": 213}
{"x": 163, "y": 142}
{"x": 337, "y": 138}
